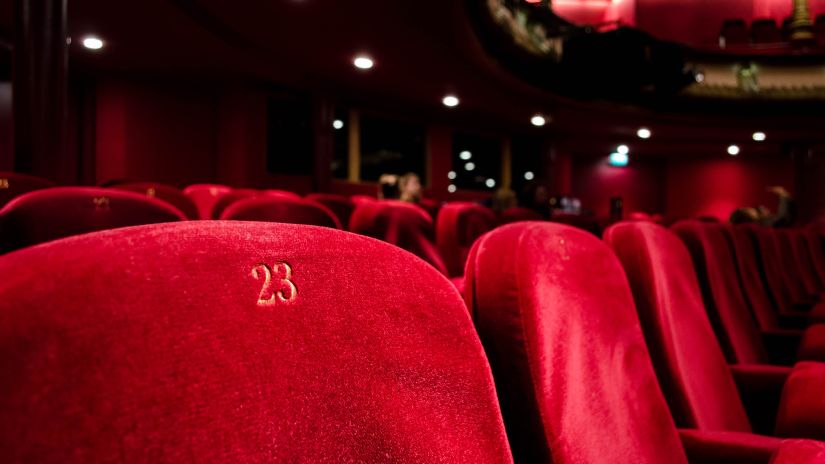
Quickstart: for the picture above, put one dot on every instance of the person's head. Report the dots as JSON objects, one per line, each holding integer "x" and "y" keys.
{"x": 744, "y": 215}
{"x": 409, "y": 187}
{"x": 388, "y": 187}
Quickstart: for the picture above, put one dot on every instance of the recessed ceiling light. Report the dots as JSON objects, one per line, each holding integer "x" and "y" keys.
{"x": 450, "y": 101}
{"x": 451, "y": 188}
{"x": 529, "y": 175}
{"x": 337, "y": 124}
{"x": 490, "y": 183}
{"x": 451, "y": 175}
{"x": 538, "y": 120}
{"x": 363, "y": 62}
{"x": 92, "y": 43}
{"x": 623, "y": 149}
{"x": 643, "y": 133}
{"x": 759, "y": 136}
{"x": 469, "y": 166}
{"x": 465, "y": 155}
{"x": 699, "y": 77}
{"x": 733, "y": 150}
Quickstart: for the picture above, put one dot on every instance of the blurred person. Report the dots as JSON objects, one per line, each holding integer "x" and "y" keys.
{"x": 784, "y": 217}
{"x": 409, "y": 187}
{"x": 536, "y": 197}
{"x": 388, "y": 187}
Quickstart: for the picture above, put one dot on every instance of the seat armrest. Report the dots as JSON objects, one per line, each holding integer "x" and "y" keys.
{"x": 799, "y": 452}
{"x": 760, "y": 387}
{"x": 801, "y": 413}
{"x": 782, "y": 345}
{"x": 707, "y": 447}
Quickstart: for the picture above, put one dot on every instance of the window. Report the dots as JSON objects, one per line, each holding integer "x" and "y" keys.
{"x": 391, "y": 147}
{"x": 476, "y": 161}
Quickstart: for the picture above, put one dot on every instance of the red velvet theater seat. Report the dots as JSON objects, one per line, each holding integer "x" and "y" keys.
{"x": 742, "y": 340}
{"x": 340, "y": 205}
{"x": 269, "y": 208}
{"x": 816, "y": 247}
{"x": 167, "y": 193}
{"x": 458, "y": 225}
{"x": 231, "y": 197}
{"x": 400, "y": 223}
{"x": 517, "y": 214}
{"x": 779, "y": 270}
{"x": 794, "y": 269}
{"x": 13, "y": 184}
{"x": 238, "y": 342}
{"x": 574, "y": 377}
{"x": 814, "y": 283}
{"x": 770, "y": 311}
{"x": 698, "y": 383}
{"x": 59, "y": 212}
{"x": 205, "y": 196}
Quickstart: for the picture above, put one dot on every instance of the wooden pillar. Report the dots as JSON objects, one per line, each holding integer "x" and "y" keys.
{"x": 354, "y": 149}
{"x": 506, "y": 163}
{"x": 40, "y": 89}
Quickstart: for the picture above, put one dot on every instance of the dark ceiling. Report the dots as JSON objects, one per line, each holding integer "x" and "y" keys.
{"x": 423, "y": 50}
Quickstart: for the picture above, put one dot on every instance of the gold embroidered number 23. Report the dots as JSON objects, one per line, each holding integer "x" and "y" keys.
{"x": 277, "y": 283}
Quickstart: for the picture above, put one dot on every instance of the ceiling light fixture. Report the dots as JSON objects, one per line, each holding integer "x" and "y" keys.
{"x": 759, "y": 136}
{"x": 623, "y": 149}
{"x": 363, "y": 62}
{"x": 450, "y": 101}
{"x": 337, "y": 124}
{"x": 644, "y": 133}
{"x": 92, "y": 43}
{"x": 733, "y": 150}
{"x": 529, "y": 175}
{"x": 538, "y": 120}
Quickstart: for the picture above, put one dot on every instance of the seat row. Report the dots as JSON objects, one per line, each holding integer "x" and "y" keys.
{"x": 258, "y": 342}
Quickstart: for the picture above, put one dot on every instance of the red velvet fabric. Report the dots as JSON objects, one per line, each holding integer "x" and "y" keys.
{"x": 573, "y": 374}
{"x": 205, "y": 196}
{"x": 165, "y": 344}
{"x": 804, "y": 259}
{"x": 728, "y": 447}
{"x": 167, "y": 193}
{"x": 13, "y": 184}
{"x": 688, "y": 360}
{"x": 816, "y": 248}
{"x": 458, "y": 225}
{"x": 803, "y": 284}
{"x": 49, "y": 214}
{"x": 402, "y": 224}
{"x": 281, "y": 193}
{"x": 802, "y": 410}
{"x": 340, "y": 205}
{"x": 275, "y": 208}
{"x": 517, "y": 214}
{"x": 235, "y": 195}
{"x": 800, "y": 452}
{"x": 715, "y": 267}
{"x": 777, "y": 269}
{"x": 763, "y": 307}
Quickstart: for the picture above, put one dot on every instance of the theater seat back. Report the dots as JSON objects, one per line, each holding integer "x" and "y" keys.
{"x": 689, "y": 362}
{"x": 722, "y": 296}
{"x": 340, "y": 205}
{"x": 281, "y": 209}
{"x": 771, "y": 266}
{"x": 762, "y": 306}
{"x": 13, "y": 184}
{"x": 205, "y": 196}
{"x": 167, "y": 193}
{"x": 232, "y": 197}
{"x": 238, "y": 342}
{"x": 401, "y": 224}
{"x": 517, "y": 214}
{"x": 556, "y": 318}
{"x": 45, "y": 215}
{"x": 458, "y": 225}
